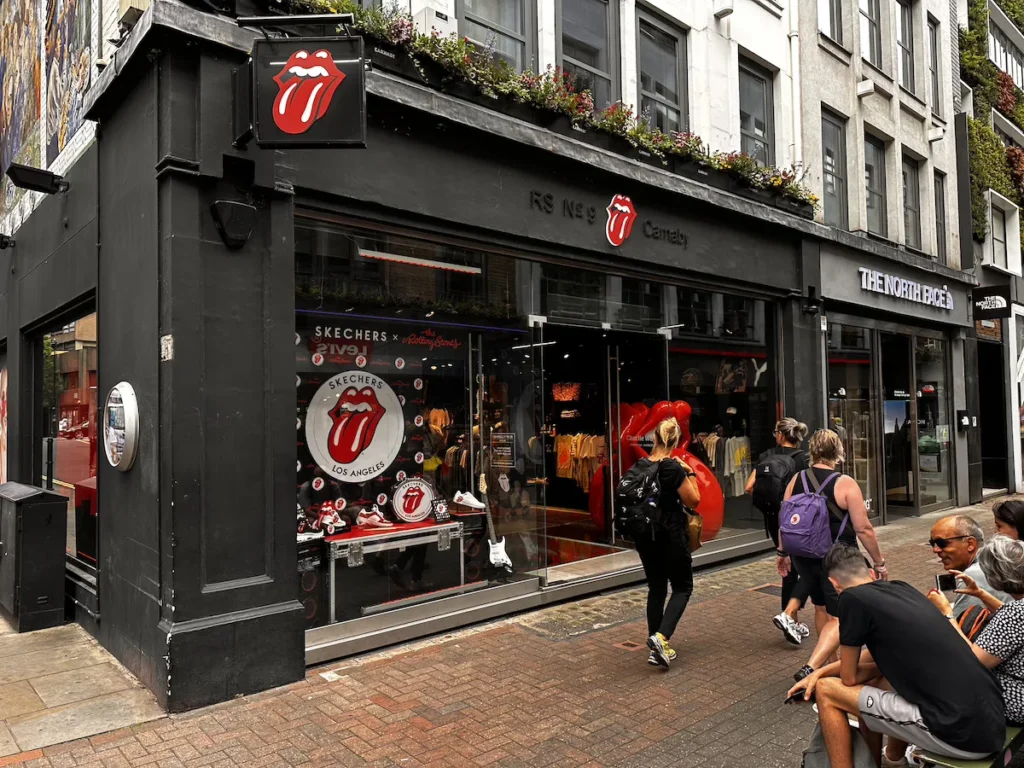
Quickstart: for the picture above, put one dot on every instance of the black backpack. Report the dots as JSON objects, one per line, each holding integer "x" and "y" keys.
{"x": 638, "y": 512}
{"x": 772, "y": 475}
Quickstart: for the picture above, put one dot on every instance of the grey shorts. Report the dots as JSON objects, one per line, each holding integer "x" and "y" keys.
{"x": 889, "y": 713}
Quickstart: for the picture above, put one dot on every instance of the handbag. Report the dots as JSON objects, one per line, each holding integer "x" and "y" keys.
{"x": 694, "y": 529}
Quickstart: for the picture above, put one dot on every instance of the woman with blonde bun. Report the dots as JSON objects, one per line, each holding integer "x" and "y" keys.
{"x": 665, "y": 552}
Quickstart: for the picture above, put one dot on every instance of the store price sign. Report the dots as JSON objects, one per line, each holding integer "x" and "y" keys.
{"x": 503, "y": 450}
{"x": 309, "y": 93}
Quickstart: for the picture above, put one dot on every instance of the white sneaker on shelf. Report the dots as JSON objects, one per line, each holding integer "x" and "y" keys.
{"x": 788, "y": 628}
{"x": 373, "y": 518}
{"x": 467, "y": 499}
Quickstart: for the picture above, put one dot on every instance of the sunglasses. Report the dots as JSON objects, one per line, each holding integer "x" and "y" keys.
{"x": 943, "y": 543}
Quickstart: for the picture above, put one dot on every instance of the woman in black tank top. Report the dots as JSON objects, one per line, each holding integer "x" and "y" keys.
{"x": 849, "y": 536}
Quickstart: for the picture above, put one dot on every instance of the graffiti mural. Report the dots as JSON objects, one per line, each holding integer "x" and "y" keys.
{"x": 68, "y": 65}
{"x": 20, "y": 75}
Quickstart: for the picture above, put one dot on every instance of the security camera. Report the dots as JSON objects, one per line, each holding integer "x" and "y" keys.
{"x": 6, "y": 241}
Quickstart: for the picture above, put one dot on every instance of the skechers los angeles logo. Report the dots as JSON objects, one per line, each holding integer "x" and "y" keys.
{"x": 621, "y": 215}
{"x": 307, "y": 84}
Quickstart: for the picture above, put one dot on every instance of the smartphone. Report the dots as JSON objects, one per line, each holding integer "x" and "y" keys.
{"x": 797, "y": 698}
{"x": 945, "y": 582}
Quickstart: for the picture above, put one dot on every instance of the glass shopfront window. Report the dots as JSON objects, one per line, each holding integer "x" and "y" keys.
{"x": 69, "y": 446}
{"x": 414, "y": 423}
{"x": 851, "y": 404}
{"x": 934, "y": 450}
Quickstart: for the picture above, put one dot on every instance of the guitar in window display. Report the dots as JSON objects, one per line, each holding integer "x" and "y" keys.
{"x": 498, "y": 556}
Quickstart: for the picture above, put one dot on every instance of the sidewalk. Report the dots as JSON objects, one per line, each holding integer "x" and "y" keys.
{"x": 565, "y": 686}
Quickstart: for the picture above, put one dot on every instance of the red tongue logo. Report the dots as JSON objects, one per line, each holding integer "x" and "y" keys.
{"x": 621, "y": 215}
{"x": 355, "y": 419}
{"x": 307, "y": 84}
{"x": 412, "y": 499}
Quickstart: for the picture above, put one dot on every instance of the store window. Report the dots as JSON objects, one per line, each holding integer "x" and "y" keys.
{"x": 871, "y": 32}
{"x": 412, "y": 384}
{"x": 833, "y": 159}
{"x": 69, "y": 447}
{"x": 905, "y": 43}
{"x": 851, "y": 405}
{"x": 830, "y": 19}
{"x": 721, "y": 362}
{"x": 757, "y": 132}
{"x": 501, "y": 26}
{"x": 911, "y": 203}
{"x": 662, "y": 52}
{"x": 1005, "y": 54}
{"x": 874, "y": 183}
{"x": 934, "y": 454}
{"x": 589, "y": 46}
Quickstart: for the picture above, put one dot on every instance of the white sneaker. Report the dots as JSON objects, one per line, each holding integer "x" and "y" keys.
{"x": 373, "y": 518}
{"x": 788, "y": 627}
{"x": 467, "y": 499}
{"x": 802, "y": 628}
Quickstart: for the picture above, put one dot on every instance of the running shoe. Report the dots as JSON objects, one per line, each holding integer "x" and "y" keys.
{"x": 467, "y": 499}
{"x": 659, "y": 649}
{"x": 653, "y": 659}
{"x": 805, "y": 670}
{"x": 788, "y": 628}
{"x": 802, "y": 628}
{"x": 373, "y": 518}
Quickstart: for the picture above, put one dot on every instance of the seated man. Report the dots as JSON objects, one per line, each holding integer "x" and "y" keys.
{"x": 918, "y": 681}
{"x": 956, "y": 540}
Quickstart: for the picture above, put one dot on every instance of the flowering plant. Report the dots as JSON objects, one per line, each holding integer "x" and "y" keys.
{"x": 1007, "y": 94}
{"x": 1015, "y": 161}
{"x": 616, "y": 119}
{"x": 555, "y": 91}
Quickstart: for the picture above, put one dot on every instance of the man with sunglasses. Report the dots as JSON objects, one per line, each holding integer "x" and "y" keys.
{"x": 956, "y": 540}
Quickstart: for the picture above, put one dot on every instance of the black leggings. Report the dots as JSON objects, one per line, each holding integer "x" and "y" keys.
{"x": 666, "y": 561}
{"x": 792, "y": 585}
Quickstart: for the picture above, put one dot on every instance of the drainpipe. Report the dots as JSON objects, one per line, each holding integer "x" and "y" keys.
{"x": 794, "y": 79}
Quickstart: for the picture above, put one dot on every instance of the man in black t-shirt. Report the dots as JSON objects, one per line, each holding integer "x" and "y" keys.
{"x": 917, "y": 681}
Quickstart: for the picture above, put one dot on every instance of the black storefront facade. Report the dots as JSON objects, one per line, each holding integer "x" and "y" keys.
{"x": 894, "y": 336}
{"x": 467, "y": 296}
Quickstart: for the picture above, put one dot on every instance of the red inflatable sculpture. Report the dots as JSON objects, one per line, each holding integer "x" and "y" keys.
{"x": 632, "y": 423}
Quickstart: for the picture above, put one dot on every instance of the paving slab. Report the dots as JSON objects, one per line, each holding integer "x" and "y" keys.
{"x": 27, "y": 666}
{"x": 79, "y": 684}
{"x": 8, "y": 746}
{"x": 18, "y": 699}
{"x": 42, "y": 640}
{"x": 84, "y": 718}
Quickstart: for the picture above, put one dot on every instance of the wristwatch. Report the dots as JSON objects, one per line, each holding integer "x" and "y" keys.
{"x": 780, "y": 553}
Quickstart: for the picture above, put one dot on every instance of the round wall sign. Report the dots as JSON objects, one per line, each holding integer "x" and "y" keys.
{"x": 121, "y": 426}
{"x": 354, "y": 426}
{"x": 412, "y": 500}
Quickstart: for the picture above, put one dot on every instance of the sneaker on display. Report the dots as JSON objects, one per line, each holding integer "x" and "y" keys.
{"x": 373, "y": 518}
{"x": 788, "y": 627}
{"x": 467, "y": 499}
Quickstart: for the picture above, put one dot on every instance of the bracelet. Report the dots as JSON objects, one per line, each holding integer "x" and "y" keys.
{"x": 880, "y": 566}
{"x": 951, "y": 617}
{"x": 780, "y": 553}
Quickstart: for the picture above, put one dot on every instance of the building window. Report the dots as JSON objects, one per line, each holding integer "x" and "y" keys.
{"x": 833, "y": 168}
{"x": 662, "y": 64}
{"x": 589, "y": 46}
{"x": 756, "y": 107}
{"x": 830, "y": 19}
{"x": 911, "y": 203}
{"x": 905, "y": 42}
{"x": 999, "y": 237}
{"x": 933, "y": 66}
{"x": 500, "y": 25}
{"x": 871, "y": 31}
{"x": 874, "y": 182}
{"x": 940, "y": 217}
{"x": 1005, "y": 55}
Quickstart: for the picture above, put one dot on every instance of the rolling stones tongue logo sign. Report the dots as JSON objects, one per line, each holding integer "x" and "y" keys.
{"x": 621, "y": 215}
{"x": 354, "y": 426}
{"x": 307, "y": 84}
{"x": 413, "y": 500}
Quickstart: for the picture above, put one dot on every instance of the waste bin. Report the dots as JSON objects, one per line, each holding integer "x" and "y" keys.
{"x": 33, "y": 537}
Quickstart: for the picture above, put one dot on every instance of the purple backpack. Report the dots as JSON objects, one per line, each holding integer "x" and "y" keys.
{"x": 804, "y": 528}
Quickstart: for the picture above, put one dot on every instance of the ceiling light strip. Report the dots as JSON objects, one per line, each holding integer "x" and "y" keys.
{"x": 413, "y": 261}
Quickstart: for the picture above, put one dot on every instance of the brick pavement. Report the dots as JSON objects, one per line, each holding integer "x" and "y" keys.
{"x": 554, "y": 687}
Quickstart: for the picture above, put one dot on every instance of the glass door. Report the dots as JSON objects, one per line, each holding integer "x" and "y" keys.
{"x": 934, "y": 426}
{"x": 899, "y": 436}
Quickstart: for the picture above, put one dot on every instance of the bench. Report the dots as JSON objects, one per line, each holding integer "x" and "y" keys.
{"x": 1013, "y": 746}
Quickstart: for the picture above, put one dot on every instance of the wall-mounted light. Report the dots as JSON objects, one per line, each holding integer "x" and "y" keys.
{"x": 6, "y": 241}
{"x": 234, "y": 222}
{"x": 723, "y": 8}
{"x": 812, "y": 303}
{"x": 36, "y": 179}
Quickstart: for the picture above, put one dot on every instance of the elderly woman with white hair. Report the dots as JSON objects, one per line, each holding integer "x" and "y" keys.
{"x": 1000, "y": 646}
